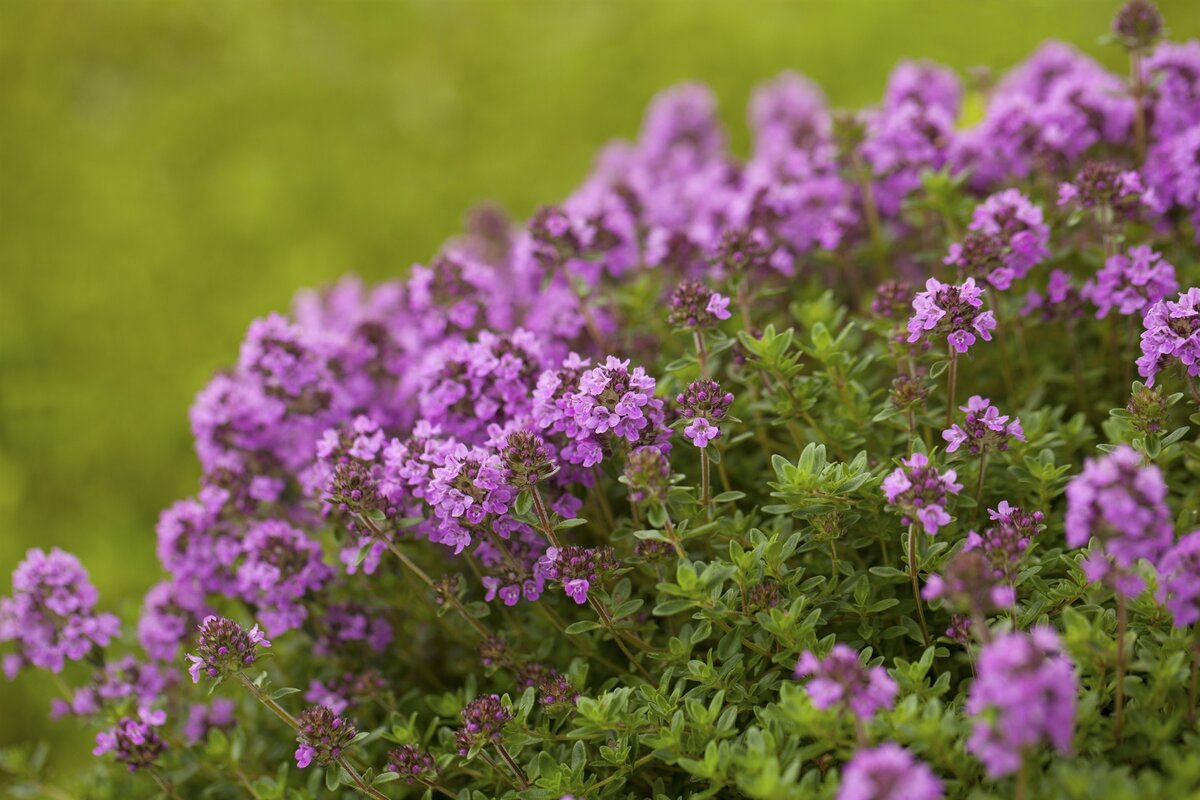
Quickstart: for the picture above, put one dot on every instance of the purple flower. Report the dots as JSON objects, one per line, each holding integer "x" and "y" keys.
{"x": 1005, "y": 543}
{"x": 919, "y": 492}
{"x": 1179, "y": 583}
{"x": 483, "y": 719}
{"x": 841, "y": 680}
{"x": 969, "y": 585}
{"x": 280, "y": 566}
{"x": 411, "y": 762}
{"x": 578, "y": 569}
{"x": 983, "y": 430}
{"x": 1130, "y": 283}
{"x": 693, "y": 305}
{"x": 224, "y": 648}
{"x": 51, "y": 614}
{"x": 1062, "y": 302}
{"x": 323, "y": 737}
{"x": 1122, "y": 504}
{"x": 1171, "y": 334}
{"x": 888, "y": 772}
{"x": 945, "y": 309}
{"x": 133, "y": 742}
{"x": 1023, "y": 695}
{"x": 700, "y": 433}
{"x": 1018, "y": 224}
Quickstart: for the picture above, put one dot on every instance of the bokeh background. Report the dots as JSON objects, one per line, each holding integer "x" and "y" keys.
{"x": 170, "y": 170}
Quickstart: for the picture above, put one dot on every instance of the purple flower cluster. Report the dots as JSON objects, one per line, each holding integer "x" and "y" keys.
{"x": 483, "y": 719}
{"x": 1006, "y": 542}
{"x": 696, "y": 307}
{"x": 919, "y": 492}
{"x": 224, "y": 648}
{"x": 1007, "y": 239}
{"x": 1130, "y": 283}
{"x": 841, "y": 680}
{"x": 323, "y": 736}
{"x": 1023, "y": 695}
{"x": 1171, "y": 335}
{"x": 595, "y": 407}
{"x": 704, "y": 405}
{"x": 1122, "y": 504}
{"x": 888, "y": 772}
{"x": 578, "y": 569}
{"x": 970, "y": 586}
{"x": 133, "y": 742}
{"x": 411, "y": 762}
{"x": 952, "y": 311}
{"x": 984, "y": 429}
{"x": 52, "y": 613}
{"x": 1179, "y": 580}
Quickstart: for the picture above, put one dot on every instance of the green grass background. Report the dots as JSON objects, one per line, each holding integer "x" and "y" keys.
{"x": 170, "y": 170}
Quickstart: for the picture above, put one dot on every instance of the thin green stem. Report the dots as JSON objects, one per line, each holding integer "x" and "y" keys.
{"x": 522, "y": 778}
{"x": 916, "y": 586}
{"x": 359, "y": 782}
{"x": 951, "y": 385}
{"x": 1122, "y": 624}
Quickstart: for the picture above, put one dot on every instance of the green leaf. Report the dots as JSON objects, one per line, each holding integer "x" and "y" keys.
{"x": 583, "y": 626}
{"x": 570, "y": 523}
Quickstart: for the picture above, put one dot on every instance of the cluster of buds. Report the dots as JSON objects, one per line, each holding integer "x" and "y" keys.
{"x": 705, "y": 405}
{"x": 1138, "y": 26}
{"x": 908, "y": 392}
{"x": 984, "y": 429}
{"x": 483, "y": 720}
{"x": 764, "y": 595}
{"x": 647, "y": 474}
{"x": 1005, "y": 543}
{"x": 493, "y": 651}
{"x": 526, "y": 460}
{"x": 1107, "y": 189}
{"x": 739, "y": 252}
{"x": 1147, "y": 409}
{"x": 893, "y": 299}
{"x": 578, "y": 569}
{"x": 969, "y": 585}
{"x": 919, "y": 492}
{"x": 133, "y": 742}
{"x": 224, "y": 648}
{"x": 323, "y": 736}
{"x": 696, "y": 307}
{"x": 411, "y": 763}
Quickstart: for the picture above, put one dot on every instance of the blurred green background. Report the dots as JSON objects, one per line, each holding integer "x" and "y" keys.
{"x": 170, "y": 170}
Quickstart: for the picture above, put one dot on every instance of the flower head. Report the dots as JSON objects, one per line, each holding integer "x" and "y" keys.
{"x": 578, "y": 569}
{"x": 1123, "y": 504}
{"x": 1131, "y": 282}
{"x": 953, "y": 311}
{"x": 984, "y": 429}
{"x": 224, "y": 648}
{"x": 841, "y": 680}
{"x": 483, "y": 719}
{"x": 696, "y": 307}
{"x": 323, "y": 736}
{"x": 1171, "y": 335}
{"x": 888, "y": 772}
{"x": 1023, "y": 695}
{"x": 526, "y": 460}
{"x": 919, "y": 492}
{"x": 1179, "y": 584}
{"x": 133, "y": 742}
{"x": 970, "y": 586}
{"x": 411, "y": 762}
{"x": 51, "y": 614}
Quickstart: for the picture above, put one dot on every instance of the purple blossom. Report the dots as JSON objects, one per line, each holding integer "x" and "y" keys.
{"x": 945, "y": 309}
{"x": 579, "y": 569}
{"x": 984, "y": 429}
{"x": 888, "y": 772}
{"x": 483, "y": 719}
{"x": 1062, "y": 302}
{"x": 51, "y": 614}
{"x": 693, "y": 305}
{"x": 133, "y": 742}
{"x": 1018, "y": 225}
{"x": 970, "y": 586}
{"x": 324, "y": 736}
{"x": 841, "y": 680}
{"x": 700, "y": 432}
{"x": 279, "y": 567}
{"x": 919, "y": 492}
{"x": 1006, "y": 542}
{"x": 705, "y": 404}
{"x": 1131, "y": 282}
{"x": 1179, "y": 581}
{"x": 1122, "y": 504}
{"x": 1171, "y": 335}
{"x": 411, "y": 763}
{"x": 1023, "y": 695}
{"x": 224, "y": 648}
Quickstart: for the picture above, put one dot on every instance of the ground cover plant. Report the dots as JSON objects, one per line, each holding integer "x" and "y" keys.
{"x": 864, "y": 468}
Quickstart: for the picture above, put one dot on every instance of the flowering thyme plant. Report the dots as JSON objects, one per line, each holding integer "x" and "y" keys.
{"x": 652, "y": 496}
